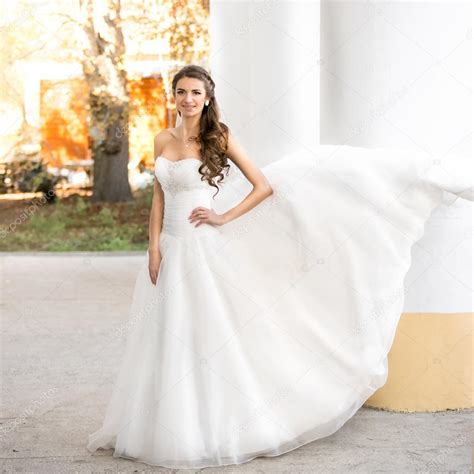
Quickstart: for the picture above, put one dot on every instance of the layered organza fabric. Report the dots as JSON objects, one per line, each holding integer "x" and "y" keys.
{"x": 271, "y": 331}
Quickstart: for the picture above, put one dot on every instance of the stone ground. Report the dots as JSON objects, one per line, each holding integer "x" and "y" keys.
{"x": 58, "y": 363}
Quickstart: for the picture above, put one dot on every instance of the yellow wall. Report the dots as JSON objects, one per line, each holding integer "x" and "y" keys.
{"x": 430, "y": 364}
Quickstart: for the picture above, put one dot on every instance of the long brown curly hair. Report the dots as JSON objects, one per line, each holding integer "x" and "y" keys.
{"x": 213, "y": 134}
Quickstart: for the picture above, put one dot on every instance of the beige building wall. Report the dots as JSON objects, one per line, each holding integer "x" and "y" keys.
{"x": 430, "y": 364}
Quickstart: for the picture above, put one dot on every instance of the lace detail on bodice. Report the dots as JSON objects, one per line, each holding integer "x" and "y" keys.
{"x": 181, "y": 175}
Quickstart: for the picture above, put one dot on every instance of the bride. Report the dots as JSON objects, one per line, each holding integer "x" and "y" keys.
{"x": 263, "y": 314}
{"x": 203, "y": 138}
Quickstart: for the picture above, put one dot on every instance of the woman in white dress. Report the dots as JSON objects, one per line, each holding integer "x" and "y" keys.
{"x": 263, "y": 314}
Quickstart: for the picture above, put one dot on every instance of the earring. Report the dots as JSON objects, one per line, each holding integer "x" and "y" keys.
{"x": 206, "y": 103}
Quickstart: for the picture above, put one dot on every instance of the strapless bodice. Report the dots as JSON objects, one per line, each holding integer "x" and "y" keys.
{"x": 183, "y": 191}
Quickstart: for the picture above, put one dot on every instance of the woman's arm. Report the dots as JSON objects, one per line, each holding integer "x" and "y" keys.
{"x": 156, "y": 218}
{"x": 157, "y": 205}
{"x": 261, "y": 188}
{"x": 156, "y": 221}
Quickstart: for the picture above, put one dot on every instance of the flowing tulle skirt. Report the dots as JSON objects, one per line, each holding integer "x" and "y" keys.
{"x": 272, "y": 331}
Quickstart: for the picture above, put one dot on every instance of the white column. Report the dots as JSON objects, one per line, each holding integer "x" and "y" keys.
{"x": 398, "y": 74}
{"x": 391, "y": 74}
{"x": 265, "y": 62}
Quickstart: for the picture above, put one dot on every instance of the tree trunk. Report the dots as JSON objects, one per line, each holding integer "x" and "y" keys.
{"x": 104, "y": 70}
{"x": 111, "y": 156}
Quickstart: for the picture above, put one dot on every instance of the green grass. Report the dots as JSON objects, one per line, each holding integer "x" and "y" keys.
{"x": 76, "y": 224}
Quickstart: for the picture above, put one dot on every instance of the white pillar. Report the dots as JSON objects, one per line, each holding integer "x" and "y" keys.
{"x": 398, "y": 74}
{"x": 265, "y": 62}
{"x": 390, "y": 74}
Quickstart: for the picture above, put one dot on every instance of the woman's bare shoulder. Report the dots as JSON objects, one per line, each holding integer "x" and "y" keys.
{"x": 167, "y": 133}
{"x": 163, "y": 137}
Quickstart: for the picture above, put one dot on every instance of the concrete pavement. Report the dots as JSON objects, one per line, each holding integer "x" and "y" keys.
{"x": 59, "y": 358}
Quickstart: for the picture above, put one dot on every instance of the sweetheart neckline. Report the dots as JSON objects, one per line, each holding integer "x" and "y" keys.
{"x": 178, "y": 161}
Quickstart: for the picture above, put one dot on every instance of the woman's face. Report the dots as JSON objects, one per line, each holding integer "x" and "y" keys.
{"x": 190, "y": 96}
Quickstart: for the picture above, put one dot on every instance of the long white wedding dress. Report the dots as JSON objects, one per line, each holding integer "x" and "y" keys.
{"x": 271, "y": 331}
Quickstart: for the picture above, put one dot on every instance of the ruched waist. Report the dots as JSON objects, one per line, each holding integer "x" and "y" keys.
{"x": 178, "y": 207}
